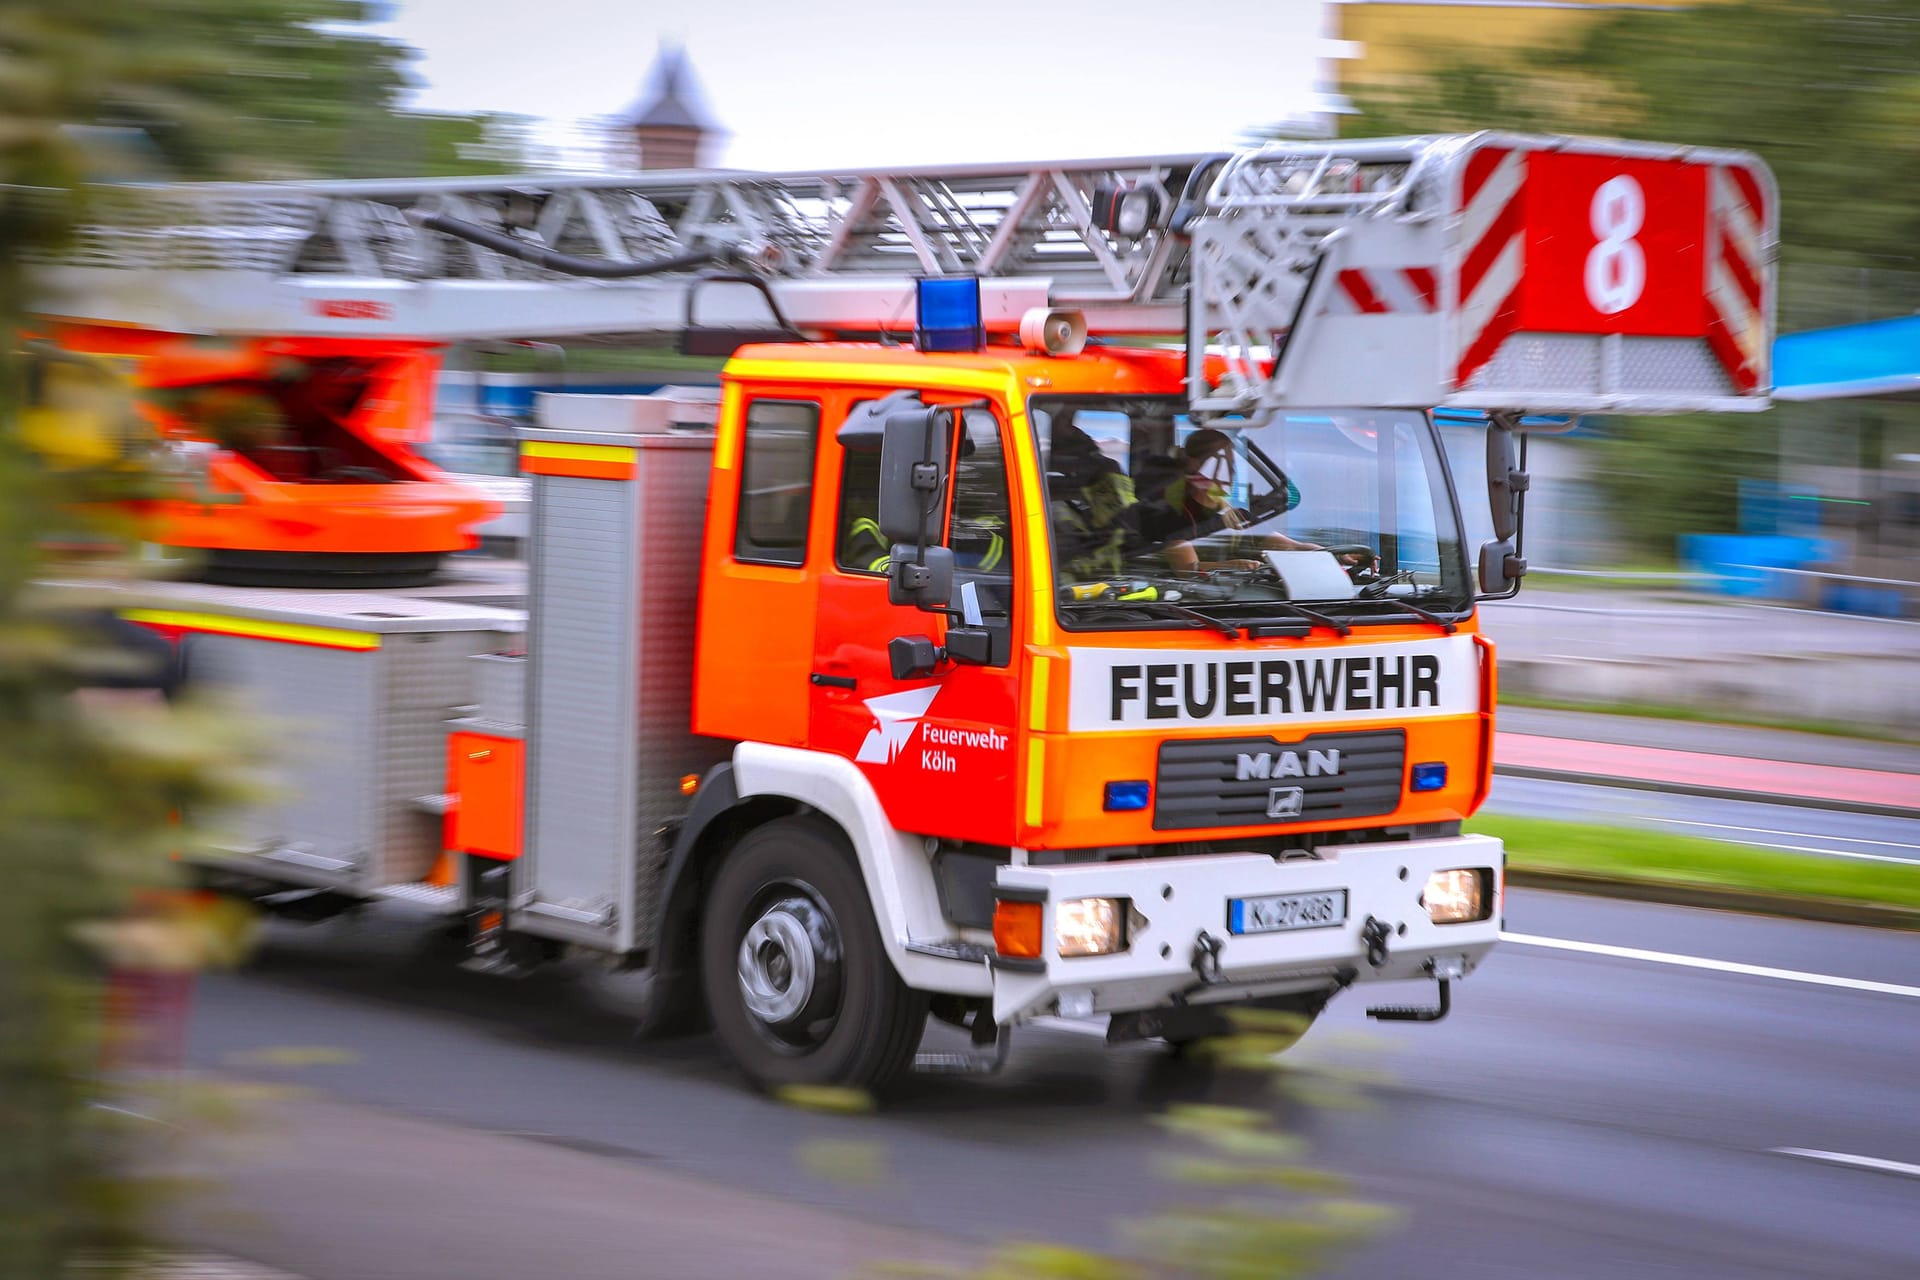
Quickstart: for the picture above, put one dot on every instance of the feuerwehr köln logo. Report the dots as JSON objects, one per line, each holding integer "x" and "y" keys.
{"x": 899, "y": 715}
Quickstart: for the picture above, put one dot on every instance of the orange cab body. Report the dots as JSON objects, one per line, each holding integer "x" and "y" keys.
{"x": 992, "y": 760}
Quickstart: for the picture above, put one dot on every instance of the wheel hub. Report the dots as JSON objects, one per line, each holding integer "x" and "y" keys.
{"x": 788, "y": 964}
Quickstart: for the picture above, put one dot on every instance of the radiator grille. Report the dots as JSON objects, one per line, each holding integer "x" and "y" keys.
{"x": 1218, "y": 782}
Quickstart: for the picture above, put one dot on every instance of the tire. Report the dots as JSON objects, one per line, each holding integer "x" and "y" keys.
{"x": 793, "y": 886}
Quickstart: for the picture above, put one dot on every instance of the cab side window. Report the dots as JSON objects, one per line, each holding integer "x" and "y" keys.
{"x": 858, "y": 544}
{"x": 776, "y": 482}
{"x": 981, "y": 529}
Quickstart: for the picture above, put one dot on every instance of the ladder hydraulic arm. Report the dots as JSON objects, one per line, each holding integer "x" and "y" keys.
{"x": 1498, "y": 271}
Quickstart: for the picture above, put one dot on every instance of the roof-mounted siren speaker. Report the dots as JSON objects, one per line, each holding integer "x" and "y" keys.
{"x": 1047, "y": 332}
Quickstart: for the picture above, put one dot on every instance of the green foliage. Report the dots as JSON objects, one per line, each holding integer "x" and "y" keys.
{"x": 91, "y": 796}
{"x": 1665, "y": 476}
{"x": 239, "y": 89}
{"x": 1263, "y": 1213}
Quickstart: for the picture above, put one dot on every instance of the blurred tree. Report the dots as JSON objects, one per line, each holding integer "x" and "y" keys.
{"x": 1827, "y": 94}
{"x": 89, "y": 805}
{"x": 275, "y": 89}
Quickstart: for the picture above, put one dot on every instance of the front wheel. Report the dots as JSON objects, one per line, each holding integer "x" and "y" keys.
{"x": 797, "y": 980}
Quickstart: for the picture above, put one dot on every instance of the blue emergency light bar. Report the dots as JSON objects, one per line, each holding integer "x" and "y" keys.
{"x": 947, "y": 316}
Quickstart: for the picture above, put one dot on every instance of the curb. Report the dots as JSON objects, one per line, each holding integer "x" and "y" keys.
{"x": 1876, "y": 915}
{"x": 1711, "y": 793}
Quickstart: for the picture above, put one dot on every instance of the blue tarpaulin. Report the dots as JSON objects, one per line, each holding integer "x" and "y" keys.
{"x": 1880, "y": 359}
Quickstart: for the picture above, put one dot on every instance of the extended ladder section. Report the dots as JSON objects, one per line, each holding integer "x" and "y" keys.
{"x": 1493, "y": 271}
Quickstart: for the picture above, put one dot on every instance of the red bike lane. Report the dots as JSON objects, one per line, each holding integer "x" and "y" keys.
{"x": 1740, "y": 777}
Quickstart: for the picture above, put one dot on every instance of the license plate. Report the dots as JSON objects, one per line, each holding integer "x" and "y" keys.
{"x": 1283, "y": 911}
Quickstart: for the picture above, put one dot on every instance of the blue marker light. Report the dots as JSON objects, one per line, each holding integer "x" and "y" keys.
{"x": 1428, "y": 777}
{"x": 1122, "y": 796}
{"x": 948, "y": 318}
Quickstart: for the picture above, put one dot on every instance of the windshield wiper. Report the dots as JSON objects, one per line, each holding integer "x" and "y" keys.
{"x": 1318, "y": 619}
{"x": 1164, "y": 609}
{"x": 1399, "y": 606}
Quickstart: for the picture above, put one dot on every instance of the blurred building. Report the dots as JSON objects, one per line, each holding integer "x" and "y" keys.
{"x": 668, "y": 126}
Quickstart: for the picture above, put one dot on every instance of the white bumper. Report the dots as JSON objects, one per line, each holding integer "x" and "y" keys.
{"x": 1175, "y": 900}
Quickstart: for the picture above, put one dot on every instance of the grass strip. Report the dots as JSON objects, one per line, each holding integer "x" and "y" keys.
{"x": 1653, "y": 857}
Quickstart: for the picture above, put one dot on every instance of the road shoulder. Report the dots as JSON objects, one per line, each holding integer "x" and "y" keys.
{"x": 332, "y": 1190}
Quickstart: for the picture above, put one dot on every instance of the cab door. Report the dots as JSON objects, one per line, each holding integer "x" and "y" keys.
{"x": 939, "y": 750}
{"x": 758, "y": 589}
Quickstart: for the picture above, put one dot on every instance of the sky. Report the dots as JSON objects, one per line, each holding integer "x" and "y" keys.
{"x": 831, "y": 83}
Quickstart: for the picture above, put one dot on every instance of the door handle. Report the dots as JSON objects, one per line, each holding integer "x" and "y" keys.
{"x": 833, "y": 682}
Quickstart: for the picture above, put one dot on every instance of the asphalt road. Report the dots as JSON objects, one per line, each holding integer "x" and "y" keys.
{"x": 1579, "y": 1114}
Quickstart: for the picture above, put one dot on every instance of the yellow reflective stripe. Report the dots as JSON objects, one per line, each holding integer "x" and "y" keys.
{"x": 578, "y": 452}
{"x": 292, "y": 632}
{"x": 1042, "y": 669}
{"x": 866, "y": 525}
{"x": 1036, "y": 779}
{"x": 880, "y": 565}
{"x": 994, "y": 550}
{"x": 933, "y": 377}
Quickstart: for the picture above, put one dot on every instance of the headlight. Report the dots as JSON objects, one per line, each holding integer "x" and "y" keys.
{"x": 1457, "y": 896}
{"x": 1091, "y": 926}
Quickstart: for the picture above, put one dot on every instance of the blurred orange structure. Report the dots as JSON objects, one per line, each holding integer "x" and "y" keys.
{"x": 293, "y": 457}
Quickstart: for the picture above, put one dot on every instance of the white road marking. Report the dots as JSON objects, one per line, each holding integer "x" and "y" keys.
{"x": 1851, "y": 1161}
{"x": 1803, "y": 848}
{"x": 1716, "y": 966}
{"x": 1770, "y": 831}
{"x": 130, "y": 1113}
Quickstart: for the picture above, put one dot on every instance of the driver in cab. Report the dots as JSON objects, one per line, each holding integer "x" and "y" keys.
{"x": 1200, "y": 504}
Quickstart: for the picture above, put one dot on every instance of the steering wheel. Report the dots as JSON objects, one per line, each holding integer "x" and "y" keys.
{"x": 1364, "y": 570}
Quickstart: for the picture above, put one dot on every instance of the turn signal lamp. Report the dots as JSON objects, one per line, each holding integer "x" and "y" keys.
{"x": 948, "y": 314}
{"x": 1428, "y": 777}
{"x": 1091, "y": 926}
{"x": 1457, "y": 896}
{"x": 1016, "y": 929}
{"x": 1122, "y": 797}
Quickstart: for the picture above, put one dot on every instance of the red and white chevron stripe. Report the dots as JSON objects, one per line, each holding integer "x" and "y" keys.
{"x": 1372, "y": 291}
{"x": 1492, "y": 228}
{"x": 1736, "y": 318}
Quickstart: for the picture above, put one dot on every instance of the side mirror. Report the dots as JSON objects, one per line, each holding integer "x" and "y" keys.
{"x": 1505, "y": 479}
{"x": 1501, "y": 567}
{"x": 913, "y": 657}
{"x": 913, "y": 473}
{"x": 926, "y": 582}
{"x": 914, "y": 449}
{"x": 985, "y": 646}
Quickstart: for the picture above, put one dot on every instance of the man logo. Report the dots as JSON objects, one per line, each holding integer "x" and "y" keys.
{"x": 899, "y": 715}
{"x": 1286, "y": 764}
{"x": 1285, "y": 802}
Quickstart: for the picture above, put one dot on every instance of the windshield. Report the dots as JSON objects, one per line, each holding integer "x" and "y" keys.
{"x": 1152, "y": 517}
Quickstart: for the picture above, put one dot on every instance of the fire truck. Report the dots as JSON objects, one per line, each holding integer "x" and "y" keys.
{"x": 1062, "y": 610}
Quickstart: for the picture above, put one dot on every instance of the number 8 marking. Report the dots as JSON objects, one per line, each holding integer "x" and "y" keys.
{"x": 1617, "y": 267}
